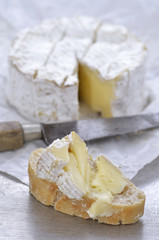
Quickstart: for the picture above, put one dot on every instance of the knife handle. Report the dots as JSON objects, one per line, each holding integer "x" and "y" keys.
{"x": 13, "y": 135}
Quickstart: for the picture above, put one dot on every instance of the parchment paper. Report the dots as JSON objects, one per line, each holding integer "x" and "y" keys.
{"x": 131, "y": 152}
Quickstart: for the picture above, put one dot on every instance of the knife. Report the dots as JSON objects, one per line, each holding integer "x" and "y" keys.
{"x": 13, "y": 135}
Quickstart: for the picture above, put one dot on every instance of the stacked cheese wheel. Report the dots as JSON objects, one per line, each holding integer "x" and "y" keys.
{"x": 55, "y": 65}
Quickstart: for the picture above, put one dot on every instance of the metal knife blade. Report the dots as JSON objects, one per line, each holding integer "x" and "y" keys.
{"x": 13, "y": 134}
{"x": 91, "y": 129}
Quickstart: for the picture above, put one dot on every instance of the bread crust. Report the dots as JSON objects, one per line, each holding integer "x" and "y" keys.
{"x": 48, "y": 193}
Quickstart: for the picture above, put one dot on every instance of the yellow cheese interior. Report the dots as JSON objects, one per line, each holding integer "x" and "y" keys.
{"x": 107, "y": 177}
{"x": 60, "y": 152}
{"x": 106, "y": 181}
{"x": 100, "y": 182}
{"x": 95, "y": 92}
{"x": 100, "y": 208}
{"x": 78, "y": 165}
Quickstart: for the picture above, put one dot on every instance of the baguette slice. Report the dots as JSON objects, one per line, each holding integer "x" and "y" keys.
{"x": 127, "y": 207}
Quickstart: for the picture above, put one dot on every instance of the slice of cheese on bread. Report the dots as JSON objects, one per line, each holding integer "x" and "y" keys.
{"x": 65, "y": 176}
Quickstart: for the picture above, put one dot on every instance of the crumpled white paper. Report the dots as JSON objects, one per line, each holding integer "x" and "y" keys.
{"x": 131, "y": 152}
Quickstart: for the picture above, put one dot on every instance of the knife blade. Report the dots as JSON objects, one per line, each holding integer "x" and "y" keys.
{"x": 13, "y": 134}
{"x": 91, "y": 129}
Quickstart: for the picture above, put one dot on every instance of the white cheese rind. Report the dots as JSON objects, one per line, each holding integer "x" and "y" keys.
{"x": 131, "y": 93}
{"x": 49, "y": 167}
{"x": 63, "y": 62}
{"x": 118, "y": 55}
{"x": 112, "y": 33}
{"x": 32, "y": 47}
{"x": 43, "y": 68}
{"x": 42, "y": 101}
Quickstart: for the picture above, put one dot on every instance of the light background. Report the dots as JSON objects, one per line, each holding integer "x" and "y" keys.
{"x": 142, "y": 18}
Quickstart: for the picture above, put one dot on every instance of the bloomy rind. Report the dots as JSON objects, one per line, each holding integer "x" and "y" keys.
{"x": 44, "y": 61}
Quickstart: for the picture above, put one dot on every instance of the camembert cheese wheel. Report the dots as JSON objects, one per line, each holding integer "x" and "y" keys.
{"x": 55, "y": 65}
